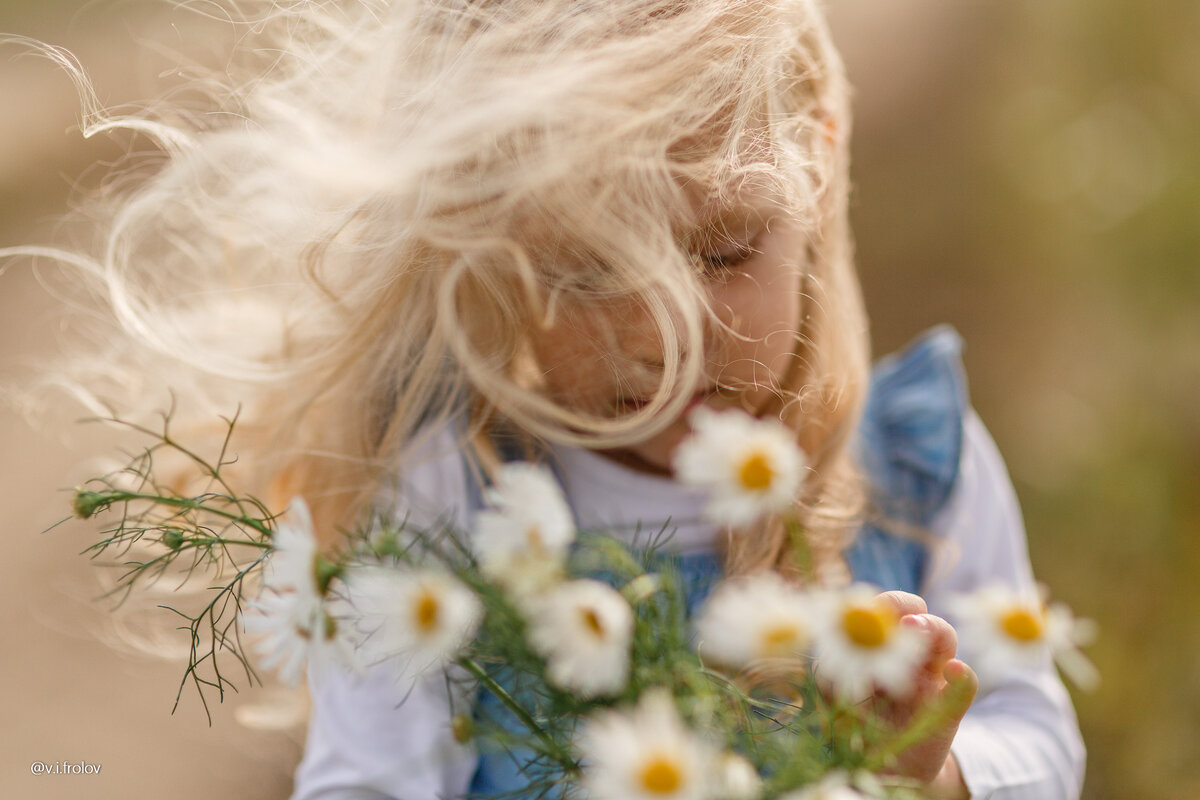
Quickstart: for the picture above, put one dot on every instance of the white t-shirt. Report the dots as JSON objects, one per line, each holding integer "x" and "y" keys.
{"x": 369, "y": 738}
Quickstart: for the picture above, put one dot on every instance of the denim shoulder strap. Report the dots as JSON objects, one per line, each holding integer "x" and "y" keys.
{"x": 909, "y": 443}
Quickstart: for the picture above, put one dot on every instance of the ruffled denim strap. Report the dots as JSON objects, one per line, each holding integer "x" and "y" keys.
{"x": 909, "y": 443}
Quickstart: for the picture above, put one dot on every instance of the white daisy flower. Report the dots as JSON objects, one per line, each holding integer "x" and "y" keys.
{"x": 1006, "y": 629}
{"x": 646, "y": 753}
{"x": 736, "y": 778}
{"x": 832, "y": 787}
{"x": 753, "y": 618}
{"x": 584, "y": 629}
{"x": 861, "y": 644}
{"x": 296, "y": 629}
{"x": 523, "y": 539}
{"x": 292, "y": 562}
{"x": 751, "y": 466}
{"x": 297, "y": 626}
{"x": 418, "y": 619}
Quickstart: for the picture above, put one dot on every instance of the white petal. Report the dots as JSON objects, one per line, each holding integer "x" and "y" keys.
{"x": 714, "y": 456}
{"x": 386, "y": 603}
{"x": 584, "y": 629}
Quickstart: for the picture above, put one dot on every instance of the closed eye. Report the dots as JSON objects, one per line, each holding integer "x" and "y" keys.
{"x": 730, "y": 255}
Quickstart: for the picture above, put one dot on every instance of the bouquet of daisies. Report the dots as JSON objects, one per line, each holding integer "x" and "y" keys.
{"x": 595, "y": 666}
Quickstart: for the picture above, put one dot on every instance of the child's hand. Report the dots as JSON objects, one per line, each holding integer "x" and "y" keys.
{"x": 943, "y": 679}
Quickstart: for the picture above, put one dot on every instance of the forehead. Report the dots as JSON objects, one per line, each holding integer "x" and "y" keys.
{"x": 734, "y": 212}
{"x": 617, "y": 223}
{"x": 629, "y": 236}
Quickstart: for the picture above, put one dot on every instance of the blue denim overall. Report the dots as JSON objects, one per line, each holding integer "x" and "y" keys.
{"x": 909, "y": 442}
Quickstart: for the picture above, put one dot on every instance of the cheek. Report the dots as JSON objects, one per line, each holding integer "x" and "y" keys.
{"x": 580, "y": 359}
{"x": 595, "y": 353}
{"x": 762, "y": 307}
{"x": 567, "y": 360}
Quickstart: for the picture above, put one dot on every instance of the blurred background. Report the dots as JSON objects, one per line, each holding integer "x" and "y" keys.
{"x": 1027, "y": 170}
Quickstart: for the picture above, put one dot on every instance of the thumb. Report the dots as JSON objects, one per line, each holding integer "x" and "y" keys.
{"x": 962, "y": 684}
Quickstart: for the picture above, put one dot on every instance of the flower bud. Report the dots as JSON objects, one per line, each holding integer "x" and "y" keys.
{"x": 88, "y": 503}
{"x": 173, "y": 538}
{"x": 325, "y": 571}
{"x": 463, "y": 727}
{"x": 641, "y": 588}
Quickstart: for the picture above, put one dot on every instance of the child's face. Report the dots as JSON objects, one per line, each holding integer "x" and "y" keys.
{"x": 752, "y": 255}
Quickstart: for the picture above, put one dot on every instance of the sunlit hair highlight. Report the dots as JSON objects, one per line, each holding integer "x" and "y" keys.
{"x": 382, "y": 208}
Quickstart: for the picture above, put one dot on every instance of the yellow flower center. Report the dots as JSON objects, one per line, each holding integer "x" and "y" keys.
{"x": 783, "y": 639}
{"x": 661, "y": 775}
{"x": 868, "y": 626}
{"x": 533, "y": 537}
{"x": 427, "y": 611}
{"x": 1022, "y": 624}
{"x": 591, "y": 621}
{"x": 756, "y": 473}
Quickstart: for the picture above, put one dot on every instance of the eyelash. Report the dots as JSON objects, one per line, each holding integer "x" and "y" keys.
{"x": 739, "y": 254}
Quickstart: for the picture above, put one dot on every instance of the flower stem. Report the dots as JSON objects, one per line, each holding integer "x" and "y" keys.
{"x": 552, "y": 748}
{"x": 183, "y": 502}
{"x": 802, "y": 556}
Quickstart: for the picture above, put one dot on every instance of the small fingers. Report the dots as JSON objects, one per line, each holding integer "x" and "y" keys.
{"x": 904, "y": 603}
{"x": 941, "y": 636}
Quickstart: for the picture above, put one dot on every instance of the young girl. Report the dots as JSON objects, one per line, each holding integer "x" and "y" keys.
{"x": 431, "y": 233}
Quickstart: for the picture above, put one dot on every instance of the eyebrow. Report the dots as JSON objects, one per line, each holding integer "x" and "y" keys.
{"x": 732, "y": 222}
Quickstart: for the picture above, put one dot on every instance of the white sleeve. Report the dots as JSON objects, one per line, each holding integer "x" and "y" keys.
{"x": 1020, "y": 740}
{"x": 370, "y": 738}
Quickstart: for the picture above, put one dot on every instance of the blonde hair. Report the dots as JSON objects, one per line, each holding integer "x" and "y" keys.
{"x": 357, "y": 241}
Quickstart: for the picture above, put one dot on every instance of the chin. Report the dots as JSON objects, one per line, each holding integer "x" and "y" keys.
{"x": 654, "y": 455}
